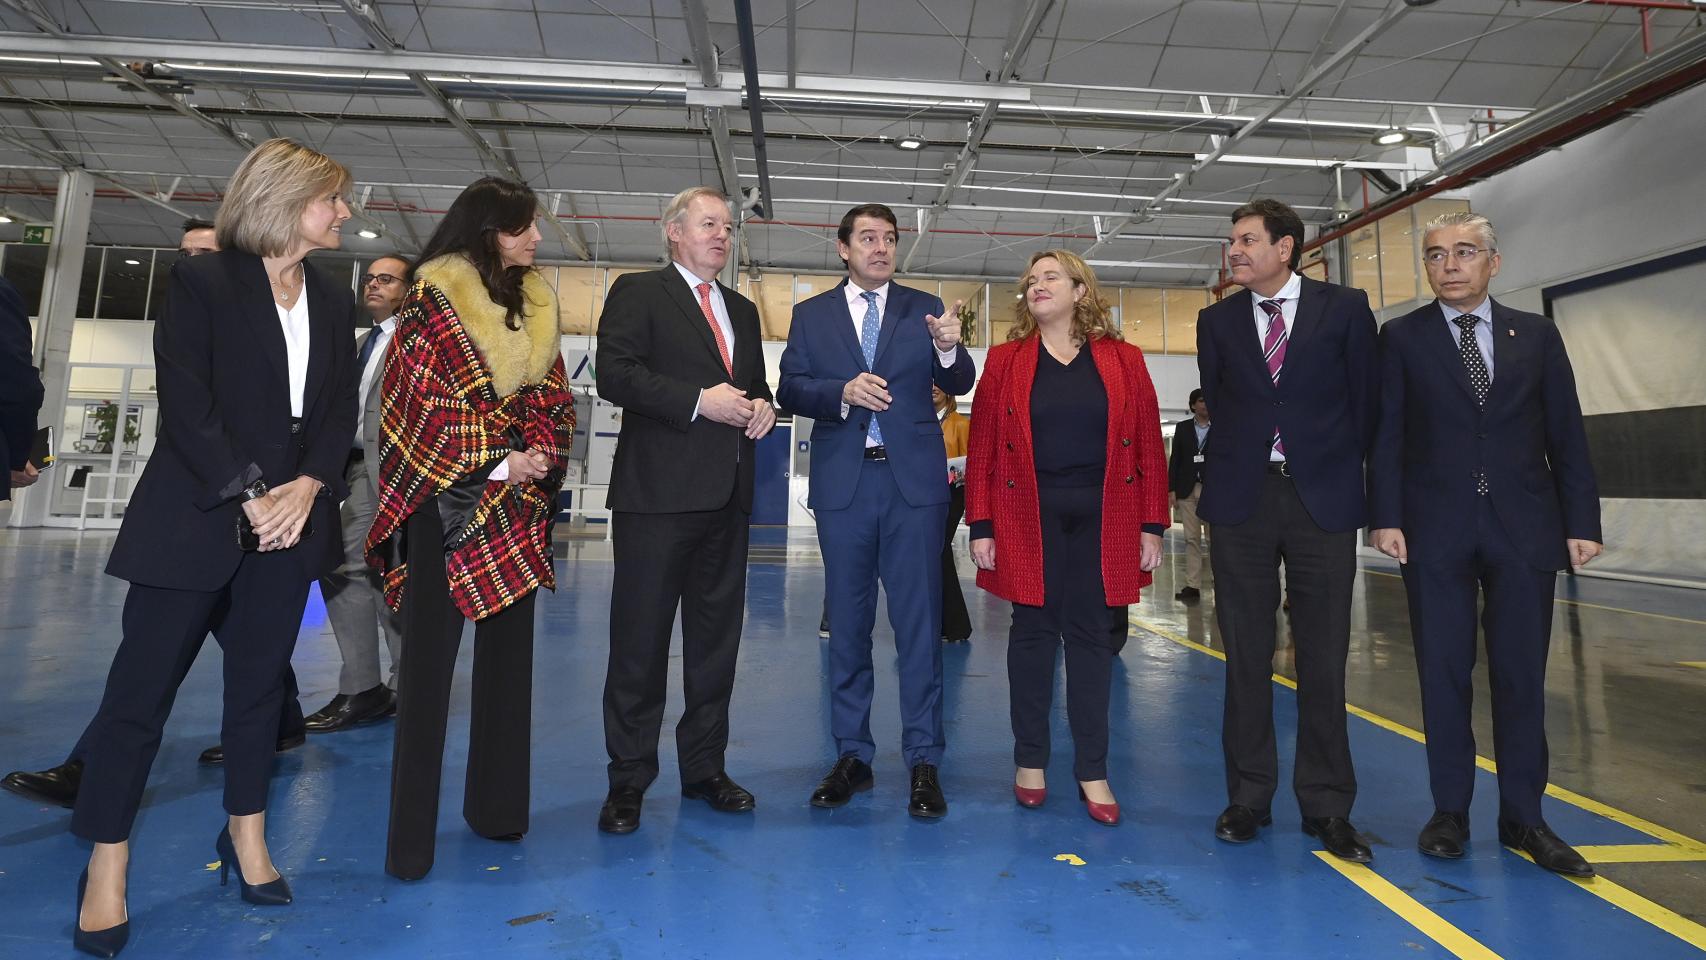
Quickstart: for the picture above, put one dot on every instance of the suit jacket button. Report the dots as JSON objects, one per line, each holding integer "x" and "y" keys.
{"x": 1128, "y": 479}
{"x": 1125, "y": 441}
{"x": 1009, "y": 411}
{"x": 1009, "y": 444}
{"x": 1009, "y": 484}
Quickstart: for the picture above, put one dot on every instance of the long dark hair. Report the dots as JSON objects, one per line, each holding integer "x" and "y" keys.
{"x": 471, "y": 226}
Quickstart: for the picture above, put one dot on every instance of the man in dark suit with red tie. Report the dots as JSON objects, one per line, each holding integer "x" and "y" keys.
{"x": 680, "y": 354}
{"x": 1483, "y": 489}
{"x": 1289, "y": 371}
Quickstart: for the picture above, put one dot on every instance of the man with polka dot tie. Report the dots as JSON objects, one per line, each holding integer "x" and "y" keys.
{"x": 1481, "y": 487}
{"x": 1288, "y": 368}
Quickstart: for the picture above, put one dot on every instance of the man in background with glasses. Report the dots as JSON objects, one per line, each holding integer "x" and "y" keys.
{"x": 354, "y": 605}
{"x": 1481, "y": 484}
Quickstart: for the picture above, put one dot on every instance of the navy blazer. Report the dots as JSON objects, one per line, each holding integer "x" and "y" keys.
{"x": 20, "y": 386}
{"x": 1324, "y": 404}
{"x": 823, "y": 354}
{"x": 1434, "y": 440}
{"x": 222, "y": 376}
{"x": 1183, "y": 472}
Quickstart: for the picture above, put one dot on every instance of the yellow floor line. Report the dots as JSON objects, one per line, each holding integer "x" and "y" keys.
{"x": 1431, "y": 924}
{"x": 1624, "y": 898}
{"x": 1692, "y": 663}
{"x": 1642, "y": 853}
{"x": 1578, "y": 603}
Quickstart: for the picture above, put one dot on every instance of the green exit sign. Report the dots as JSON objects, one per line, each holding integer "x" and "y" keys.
{"x": 38, "y": 233}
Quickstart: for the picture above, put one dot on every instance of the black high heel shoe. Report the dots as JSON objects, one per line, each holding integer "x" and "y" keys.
{"x": 275, "y": 893}
{"x": 96, "y": 943}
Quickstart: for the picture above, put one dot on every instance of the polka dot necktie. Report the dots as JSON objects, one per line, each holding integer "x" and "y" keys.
{"x": 1469, "y": 346}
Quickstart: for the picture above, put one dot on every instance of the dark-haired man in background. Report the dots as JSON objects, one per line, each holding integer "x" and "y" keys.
{"x": 1184, "y": 482}
{"x": 1290, "y": 371}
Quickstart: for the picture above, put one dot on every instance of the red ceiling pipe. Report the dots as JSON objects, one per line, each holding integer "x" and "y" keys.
{"x": 1636, "y": 4}
{"x": 1646, "y": 32}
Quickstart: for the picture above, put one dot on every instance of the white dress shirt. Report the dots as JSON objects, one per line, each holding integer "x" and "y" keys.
{"x": 381, "y": 337}
{"x": 719, "y": 309}
{"x": 1287, "y": 296}
{"x": 294, "y": 320}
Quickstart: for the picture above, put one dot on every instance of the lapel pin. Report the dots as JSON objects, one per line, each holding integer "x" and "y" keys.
{"x": 1510, "y": 333}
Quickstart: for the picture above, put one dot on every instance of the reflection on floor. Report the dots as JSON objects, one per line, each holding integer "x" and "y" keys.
{"x": 1627, "y": 718}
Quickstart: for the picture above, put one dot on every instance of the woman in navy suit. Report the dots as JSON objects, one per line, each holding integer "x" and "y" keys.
{"x": 234, "y": 515}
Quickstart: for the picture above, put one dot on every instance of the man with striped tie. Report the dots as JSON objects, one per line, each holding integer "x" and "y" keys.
{"x": 1289, "y": 367}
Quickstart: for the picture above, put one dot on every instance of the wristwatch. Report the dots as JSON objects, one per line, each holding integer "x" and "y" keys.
{"x": 255, "y": 491}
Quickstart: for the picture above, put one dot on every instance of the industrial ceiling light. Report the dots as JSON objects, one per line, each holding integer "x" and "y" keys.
{"x": 5, "y": 218}
{"x": 1392, "y": 137}
{"x": 367, "y": 233}
{"x": 132, "y": 262}
{"x": 910, "y": 142}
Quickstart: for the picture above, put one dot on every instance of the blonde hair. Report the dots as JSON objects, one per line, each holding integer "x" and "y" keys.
{"x": 1463, "y": 218}
{"x": 1090, "y": 314}
{"x": 262, "y": 211}
{"x": 677, "y": 209}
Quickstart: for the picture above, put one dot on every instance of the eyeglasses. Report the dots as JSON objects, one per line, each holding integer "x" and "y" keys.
{"x": 368, "y": 278}
{"x": 1463, "y": 252}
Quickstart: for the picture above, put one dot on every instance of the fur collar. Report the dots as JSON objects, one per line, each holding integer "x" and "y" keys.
{"x": 515, "y": 357}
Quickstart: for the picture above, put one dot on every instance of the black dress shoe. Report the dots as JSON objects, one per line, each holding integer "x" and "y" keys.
{"x": 1188, "y": 593}
{"x": 351, "y": 710}
{"x": 849, "y": 776}
{"x": 216, "y": 753}
{"x": 926, "y": 801}
{"x": 1444, "y": 836}
{"x": 56, "y": 785}
{"x": 621, "y": 810}
{"x": 1339, "y": 837}
{"x": 1239, "y": 824}
{"x": 721, "y": 793}
{"x": 1543, "y": 845}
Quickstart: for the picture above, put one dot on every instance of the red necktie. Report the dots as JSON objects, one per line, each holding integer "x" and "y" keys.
{"x": 716, "y": 328}
{"x": 1273, "y": 350}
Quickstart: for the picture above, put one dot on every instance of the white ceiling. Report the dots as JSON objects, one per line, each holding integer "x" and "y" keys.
{"x": 1112, "y": 100}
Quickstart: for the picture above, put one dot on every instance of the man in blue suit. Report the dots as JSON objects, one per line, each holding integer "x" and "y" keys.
{"x": 1289, "y": 369}
{"x": 860, "y": 362}
{"x": 1481, "y": 484}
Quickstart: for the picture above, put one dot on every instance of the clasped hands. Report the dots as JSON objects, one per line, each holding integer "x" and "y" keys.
{"x": 279, "y": 516}
{"x": 724, "y": 403}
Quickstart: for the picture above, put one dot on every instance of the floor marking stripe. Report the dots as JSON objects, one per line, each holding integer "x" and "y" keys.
{"x": 1431, "y": 924}
{"x": 1620, "y": 896}
{"x": 1642, "y": 853}
{"x": 1692, "y": 663}
{"x": 1576, "y": 603}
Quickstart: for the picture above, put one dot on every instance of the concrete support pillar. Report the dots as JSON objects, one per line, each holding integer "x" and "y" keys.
{"x": 55, "y": 318}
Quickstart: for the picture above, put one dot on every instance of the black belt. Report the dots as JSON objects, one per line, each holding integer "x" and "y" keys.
{"x": 876, "y": 453}
{"x": 1280, "y": 468}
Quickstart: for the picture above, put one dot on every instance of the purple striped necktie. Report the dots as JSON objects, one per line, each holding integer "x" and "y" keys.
{"x": 1273, "y": 351}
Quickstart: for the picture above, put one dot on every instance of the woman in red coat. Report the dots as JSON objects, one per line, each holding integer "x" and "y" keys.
{"x": 1066, "y": 481}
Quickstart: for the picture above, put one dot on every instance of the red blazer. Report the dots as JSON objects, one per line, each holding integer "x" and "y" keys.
{"x": 1001, "y": 477}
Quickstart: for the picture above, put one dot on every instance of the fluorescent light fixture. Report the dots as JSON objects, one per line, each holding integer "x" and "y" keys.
{"x": 5, "y": 218}
{"x": 131, "y": 262}
{"x": 910, "y": 142}
{"x": 367, "y": 233}
{"x": 1392, "y": 137}
{"x": 1151, "y": 265}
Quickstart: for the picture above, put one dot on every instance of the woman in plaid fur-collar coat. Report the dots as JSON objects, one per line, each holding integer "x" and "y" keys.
{"x": 476, "y": 421}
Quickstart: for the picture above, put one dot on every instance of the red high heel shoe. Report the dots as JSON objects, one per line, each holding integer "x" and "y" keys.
{"x": 1106, "y": 813}
{"x": 1030, "y": 797}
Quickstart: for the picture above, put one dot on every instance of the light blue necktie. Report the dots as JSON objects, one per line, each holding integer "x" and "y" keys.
{"x": 868, "y": 330}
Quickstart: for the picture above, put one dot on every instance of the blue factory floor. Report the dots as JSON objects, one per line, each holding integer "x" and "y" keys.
{"x": 1627, "y": 716}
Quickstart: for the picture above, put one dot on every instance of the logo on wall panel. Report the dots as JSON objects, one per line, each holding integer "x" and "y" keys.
{"x": 579, "y": 364}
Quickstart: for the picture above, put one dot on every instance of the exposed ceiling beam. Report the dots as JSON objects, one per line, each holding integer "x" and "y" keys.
{"x": 29, "y": 10}
{"x": 1018, "y": 41}
{"x": 64, "y": 163}
{"x": 1321, "y": 71}
{"x": 716, "y": 121}
{"x": 306, "y": 58}
{"x": 368, "y": 19}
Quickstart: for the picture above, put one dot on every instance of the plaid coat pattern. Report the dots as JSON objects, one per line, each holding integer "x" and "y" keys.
{"x": 442, "y": 420}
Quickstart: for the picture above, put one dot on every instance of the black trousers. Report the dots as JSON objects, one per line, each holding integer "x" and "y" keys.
{"x": 695, "y": 562}
{"x": 1320, "y": 570}
{"x": 290, "y": 719}
{"x": 254, "y": 618}
{"x": 495, "y": 794}
{"x": 1517, "y": 620}
{"x": 956, "y": 621}
{"x": 1074, "y": 612}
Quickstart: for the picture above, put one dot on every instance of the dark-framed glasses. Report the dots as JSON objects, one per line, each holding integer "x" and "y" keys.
{"x": 368, "y": 278}
{"x": 1465, "y": 253}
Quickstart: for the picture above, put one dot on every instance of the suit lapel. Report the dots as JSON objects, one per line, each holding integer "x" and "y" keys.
{"x": 1023, "y": 378}
{"x": 1505, "y": 348}
{"x": 263, "y": 311}
{"x": 841, "y": 322}
{"x": 321, "y": 305}
{"x": 1107, "y": 360}
{"x": 1311, "y": 307}
{"x": 1242, "y": 307}
{"x": 687, "y": 299}
{"x": 899, "y": 299}
{"x": 1437, "y": 338}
